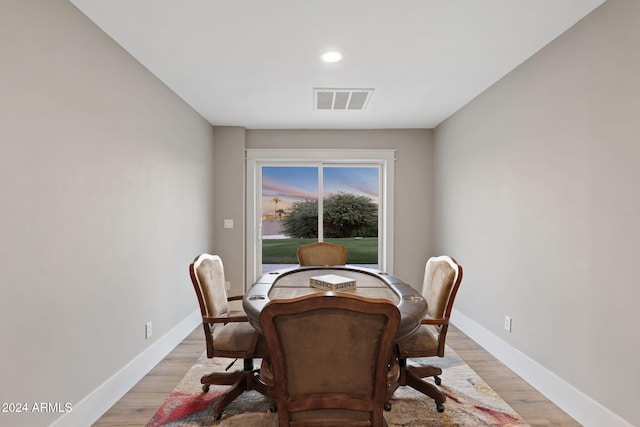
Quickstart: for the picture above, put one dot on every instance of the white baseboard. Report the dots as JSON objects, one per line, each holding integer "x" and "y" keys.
{"x": 578, "y": 405}
{"x": 96, "y": 403}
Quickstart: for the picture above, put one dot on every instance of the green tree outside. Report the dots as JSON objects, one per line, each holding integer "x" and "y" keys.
{"x": 345, "y": 215}
{"x": 302, "y": 220}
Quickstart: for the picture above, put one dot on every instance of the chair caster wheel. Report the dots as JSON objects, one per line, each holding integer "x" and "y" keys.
{"x": 205, "y": 388}
{"x": 387, "y": 406}
{"x": 273, "y": 408}
{"x": 439, "y": 407}
{"x": 437, "y": 380}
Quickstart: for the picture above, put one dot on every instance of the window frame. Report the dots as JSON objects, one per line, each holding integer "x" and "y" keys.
{"x": 256, "y": 158}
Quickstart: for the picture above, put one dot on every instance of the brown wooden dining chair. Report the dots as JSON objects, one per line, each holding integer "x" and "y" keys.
{"x": 442, "y": 277}
{"x": 330, "y": 356}
{"x": 322, "y": 253}
{"x": 227, "y": 333}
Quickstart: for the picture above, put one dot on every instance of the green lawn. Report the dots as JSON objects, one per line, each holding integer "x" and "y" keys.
{"x": 283, "y": 251}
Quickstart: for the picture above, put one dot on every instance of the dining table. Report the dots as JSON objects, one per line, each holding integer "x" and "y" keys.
{"x": 295, "y": 281}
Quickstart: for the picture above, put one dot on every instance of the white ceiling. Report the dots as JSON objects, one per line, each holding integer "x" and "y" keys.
{"x": 254, "y": 63}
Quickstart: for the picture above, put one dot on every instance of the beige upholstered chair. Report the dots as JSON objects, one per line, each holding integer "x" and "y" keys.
{"x": 330, "y": 357}
{"x": 227, "y": 333}
{"x": 442, "y": 278}
{"x": 322, "y": 253}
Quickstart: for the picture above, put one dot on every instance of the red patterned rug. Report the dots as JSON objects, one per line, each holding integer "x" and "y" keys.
{"x": 470, "y": 402}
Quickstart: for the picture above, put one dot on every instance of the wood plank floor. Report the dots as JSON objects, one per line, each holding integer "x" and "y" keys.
{"x": 141, "y": 402}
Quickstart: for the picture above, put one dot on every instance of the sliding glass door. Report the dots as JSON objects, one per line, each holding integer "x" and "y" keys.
{"x": 293, "y": 214}
{"x": 298, "y": 197}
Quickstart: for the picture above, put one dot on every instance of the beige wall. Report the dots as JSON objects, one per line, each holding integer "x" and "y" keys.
{"x": 537, "y": 196}
{"x": 229, "y": 191}
{"x": 413, "y": 199}
{"x": 106, "y": 187}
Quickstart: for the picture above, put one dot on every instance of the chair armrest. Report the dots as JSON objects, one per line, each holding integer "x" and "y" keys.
{"x": 235, "y": 304}
{"x": 432, "y": 321}
{"x": 225, "y": 319}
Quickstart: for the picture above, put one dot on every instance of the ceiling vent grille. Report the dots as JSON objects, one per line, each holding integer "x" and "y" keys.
{"x": 341, "y": 99}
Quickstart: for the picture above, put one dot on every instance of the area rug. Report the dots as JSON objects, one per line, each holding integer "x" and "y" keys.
{"x": 470, "y": 401}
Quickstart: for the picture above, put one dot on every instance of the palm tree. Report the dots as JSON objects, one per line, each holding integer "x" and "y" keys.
{"x": 275, "y": 200}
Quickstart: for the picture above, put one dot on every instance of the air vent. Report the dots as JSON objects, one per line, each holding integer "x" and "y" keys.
{"x": 341, "y": 99}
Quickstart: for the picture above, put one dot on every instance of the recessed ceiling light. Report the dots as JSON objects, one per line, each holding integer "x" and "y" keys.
{"x": 332, "y": 56}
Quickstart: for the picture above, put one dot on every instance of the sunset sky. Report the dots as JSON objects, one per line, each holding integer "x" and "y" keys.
{"x": 291, "y": 184}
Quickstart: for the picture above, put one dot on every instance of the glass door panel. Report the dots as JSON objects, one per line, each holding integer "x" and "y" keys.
{"x": 289, "y": 207}
{"x": 350, "y": 205}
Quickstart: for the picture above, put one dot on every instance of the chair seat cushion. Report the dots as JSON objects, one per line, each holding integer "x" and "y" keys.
{"x": 423, "y": 344}
{"x": 237, "y": 337}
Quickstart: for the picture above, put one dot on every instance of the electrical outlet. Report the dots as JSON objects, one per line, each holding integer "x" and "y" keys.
{"x": 148, "y": 330}
{"x": 227, "y": 285}
{"x": 507, "y": 323}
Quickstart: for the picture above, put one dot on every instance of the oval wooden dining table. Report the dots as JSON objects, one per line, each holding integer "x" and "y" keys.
{"x": 370, "y": 283}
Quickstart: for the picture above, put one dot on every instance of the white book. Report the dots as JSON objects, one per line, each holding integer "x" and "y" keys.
{"x": 332, "y": 282}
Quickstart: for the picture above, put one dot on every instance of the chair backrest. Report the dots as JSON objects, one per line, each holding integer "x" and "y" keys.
{"x": 322, "y": 253}
{"x": 330, "y": 357}
{"x": 207, "y": 275}
{"x": 442, "y": 277}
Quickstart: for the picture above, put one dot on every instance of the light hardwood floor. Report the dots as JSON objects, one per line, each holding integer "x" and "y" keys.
{"x": 141, "y": 402}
